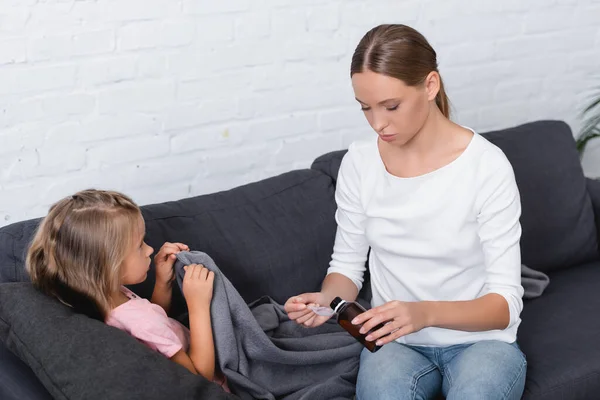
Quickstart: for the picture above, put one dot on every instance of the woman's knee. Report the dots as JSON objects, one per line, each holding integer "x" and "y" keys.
{"x": 494, "y": 370}
{"x": 397, "y": 373}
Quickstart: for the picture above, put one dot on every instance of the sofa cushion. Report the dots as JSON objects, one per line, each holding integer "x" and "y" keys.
{"x": 560, "y": 335}
{"x": 76, "y": 357}
{"x": 14, "y": 242}
{"x": 557, "y": 214}
{"x": 329, "y": 163}
{"x": 593, "y": 188}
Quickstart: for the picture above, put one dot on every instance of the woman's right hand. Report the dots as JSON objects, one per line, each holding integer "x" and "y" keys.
{"x": 297, "y": 309}
{"x": 198, "y": 284}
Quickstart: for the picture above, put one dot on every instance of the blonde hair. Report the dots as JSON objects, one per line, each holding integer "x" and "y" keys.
{"x": 78, "y": 249}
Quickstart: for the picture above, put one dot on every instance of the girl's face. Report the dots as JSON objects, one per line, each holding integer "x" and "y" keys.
{"x": 137, "y": 262}
{"x": 396, "y": 111}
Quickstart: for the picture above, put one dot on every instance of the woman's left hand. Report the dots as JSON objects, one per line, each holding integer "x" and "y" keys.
{"x": 399, "y": 318}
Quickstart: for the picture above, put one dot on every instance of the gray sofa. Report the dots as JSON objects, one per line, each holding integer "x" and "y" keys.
{"x": 275, "y": 237}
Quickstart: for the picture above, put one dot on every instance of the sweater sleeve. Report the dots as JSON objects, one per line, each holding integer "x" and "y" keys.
{"x": 351, "y": 246}
{"x": 499, "y": 209}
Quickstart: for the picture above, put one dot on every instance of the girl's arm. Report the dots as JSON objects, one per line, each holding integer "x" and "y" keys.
{"x": 164, "y": 261}
{"x": 204, "y": 355}
{"x": 162, "y": 295}
{"x": 182, "y": 358}
{"x": 202, "y": 348}
{"x": 197, "y": 289}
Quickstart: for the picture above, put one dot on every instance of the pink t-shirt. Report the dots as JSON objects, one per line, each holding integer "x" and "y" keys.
{"x": 149, "y": 323}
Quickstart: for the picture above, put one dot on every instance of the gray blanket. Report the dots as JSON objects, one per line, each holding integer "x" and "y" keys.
{"x": 533, "y": 282}
{"x": 264, "y": 355}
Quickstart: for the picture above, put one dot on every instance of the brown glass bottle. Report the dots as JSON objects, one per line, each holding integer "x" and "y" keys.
{"x": 346, "y": 311}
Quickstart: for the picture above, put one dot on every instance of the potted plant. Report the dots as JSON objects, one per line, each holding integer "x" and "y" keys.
{"x": 591, "y": 125}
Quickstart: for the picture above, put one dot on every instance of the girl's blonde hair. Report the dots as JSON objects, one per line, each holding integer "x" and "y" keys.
{"x": 78, "y": 249}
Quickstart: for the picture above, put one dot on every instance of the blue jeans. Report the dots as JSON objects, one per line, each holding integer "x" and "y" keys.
{"x": 484, "y": 370}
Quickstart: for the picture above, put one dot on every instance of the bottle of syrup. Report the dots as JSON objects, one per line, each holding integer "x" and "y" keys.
{"x": 346, "y": 311}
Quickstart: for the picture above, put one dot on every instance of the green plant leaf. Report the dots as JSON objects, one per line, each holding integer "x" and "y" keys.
{"x": 582, "y": 142}
{"x": 592, "y": 105}
{"x": 591, "y": 126}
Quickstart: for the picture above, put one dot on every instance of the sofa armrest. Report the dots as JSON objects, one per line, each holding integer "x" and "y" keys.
{"x": 593, "y": 188}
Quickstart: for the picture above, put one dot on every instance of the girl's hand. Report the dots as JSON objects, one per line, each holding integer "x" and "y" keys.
{"x": 164, "y": 261}
{"x": 399, "y": 319}
{"x": 197, "y": 285}
{"x": 297, "y": 309}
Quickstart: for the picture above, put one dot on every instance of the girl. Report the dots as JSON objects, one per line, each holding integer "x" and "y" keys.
{"x": 90, "y": 245}
{"x": 439, "y": 208}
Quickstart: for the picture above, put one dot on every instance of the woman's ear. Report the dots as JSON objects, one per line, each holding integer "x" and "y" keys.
{"x": 432, "y": 85}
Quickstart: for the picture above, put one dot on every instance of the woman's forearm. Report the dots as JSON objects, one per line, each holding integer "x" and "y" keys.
{"x": 338, "y": 285}
{"x": 486, "y": 313}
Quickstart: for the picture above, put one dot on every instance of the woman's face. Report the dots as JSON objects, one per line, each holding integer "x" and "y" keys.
{"x": 394, "y": 110}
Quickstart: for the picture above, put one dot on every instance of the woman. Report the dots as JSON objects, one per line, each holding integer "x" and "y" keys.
{"x": 439, "y": 208}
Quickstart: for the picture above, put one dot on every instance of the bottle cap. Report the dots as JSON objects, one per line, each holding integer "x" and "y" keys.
{"x": 337, "y": 302}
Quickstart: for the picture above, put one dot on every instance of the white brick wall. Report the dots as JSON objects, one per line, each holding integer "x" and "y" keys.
{"x": 164, "y": 99}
